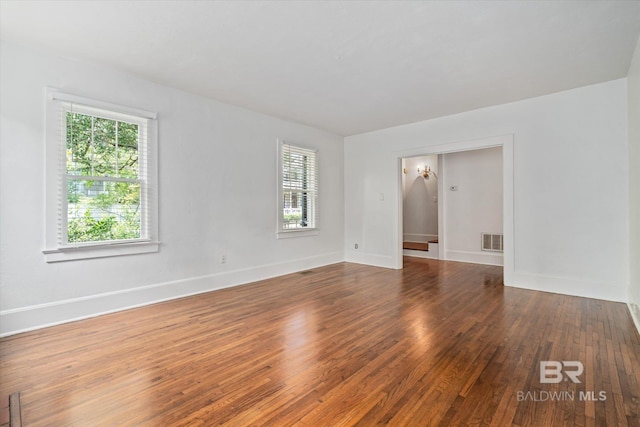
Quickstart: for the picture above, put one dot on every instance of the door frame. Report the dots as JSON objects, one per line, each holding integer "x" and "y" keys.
{"x": 507, "y": 144}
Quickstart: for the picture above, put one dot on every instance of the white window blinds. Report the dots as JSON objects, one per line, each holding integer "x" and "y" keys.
{"x": 299, "y": 187}
{"x": 101, "y": 169}
{"x": 104, "y": 195}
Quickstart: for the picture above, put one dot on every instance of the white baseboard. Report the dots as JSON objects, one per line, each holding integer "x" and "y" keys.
{"x": 430, "y": 254}
{"x": 568, "y": 286}
{"x": 635, "y": 314}
{"x": 39, "y": 316}
{"x": 370, "y": 259}
{"x": 488, "y": 258}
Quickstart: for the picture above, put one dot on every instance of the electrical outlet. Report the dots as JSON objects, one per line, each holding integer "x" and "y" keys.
{"x": 223, "y": 259}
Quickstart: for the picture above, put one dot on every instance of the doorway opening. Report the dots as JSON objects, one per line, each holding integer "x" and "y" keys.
{"x": 420, "y": 235}
{"x": 472, "y": 198}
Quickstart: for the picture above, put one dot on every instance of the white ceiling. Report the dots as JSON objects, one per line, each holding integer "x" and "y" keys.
{"x": 348, "y": 67}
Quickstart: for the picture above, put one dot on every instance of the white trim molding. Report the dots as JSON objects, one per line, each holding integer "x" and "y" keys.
{"x": 374, "y": 260}
{"x": 43, "y": 315}
{"x": 308, "y": 186}
{"x": 57, "y": 248}
{"x": 567, "y": 286}
{"x": 474, "y": 257}
{"x": 55, "y": 95}
{"x": 430, "y": 254}
{"x": 507, "y": 144}
{"x": 635, "y": 314}
{"x": 99, "y": 251}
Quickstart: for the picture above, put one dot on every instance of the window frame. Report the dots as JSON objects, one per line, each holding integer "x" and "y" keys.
{"x": 282, "y": 232}
{"x": 57, "y": 246}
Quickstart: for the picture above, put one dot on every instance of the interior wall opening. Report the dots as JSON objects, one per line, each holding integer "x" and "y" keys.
{"x": 452, "y": 205}
{"x": 420, "y": 234}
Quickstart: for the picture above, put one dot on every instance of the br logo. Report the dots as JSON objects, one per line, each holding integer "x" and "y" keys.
{"x": 554, "y": 372}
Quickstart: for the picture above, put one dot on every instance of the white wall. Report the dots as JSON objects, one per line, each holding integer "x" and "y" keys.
{"x": 420, "y": 200}
{"x": 570, "y": 179}
{"x": 475, "y": 207}
{"x": 217, "y": 179}
{"x": 633, "y": 96}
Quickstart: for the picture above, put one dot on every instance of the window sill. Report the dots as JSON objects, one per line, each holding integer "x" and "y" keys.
{"x": 297, "y": 233}
{"x": 99, "y": 251}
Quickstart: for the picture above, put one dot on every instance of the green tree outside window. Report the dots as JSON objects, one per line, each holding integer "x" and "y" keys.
{"x": 103, "y": 190}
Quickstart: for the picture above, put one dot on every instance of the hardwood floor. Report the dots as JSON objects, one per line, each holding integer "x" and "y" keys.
{"x": 4, "y": 412}
{"x": 416, "y": 246}
{"x": 438, "y": 343}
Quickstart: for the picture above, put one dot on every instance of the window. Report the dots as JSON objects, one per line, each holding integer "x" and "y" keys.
{"x": 101, "y": 179}
{"x": 298, "y": 190}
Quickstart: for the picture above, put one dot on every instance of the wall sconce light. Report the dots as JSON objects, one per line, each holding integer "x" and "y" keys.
{"x": 426, "y": 171}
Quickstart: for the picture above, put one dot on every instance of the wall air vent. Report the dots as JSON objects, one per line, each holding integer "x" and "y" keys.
{"x": 492, "y": 242}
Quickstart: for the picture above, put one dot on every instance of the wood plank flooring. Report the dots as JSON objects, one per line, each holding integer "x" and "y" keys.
{"x": 438, "y": 343}
{"x": 416, "y": 246}
{"x": 4, "y": 412}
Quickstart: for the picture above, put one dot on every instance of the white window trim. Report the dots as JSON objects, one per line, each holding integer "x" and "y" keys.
{"x": 55, "y": 172}
{"x": 281, "y": 233}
